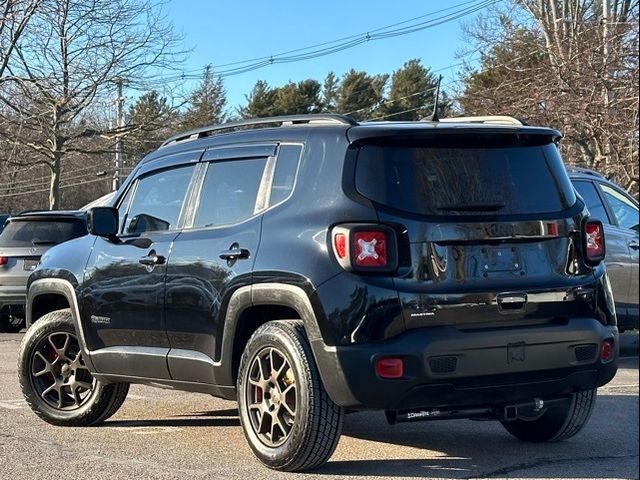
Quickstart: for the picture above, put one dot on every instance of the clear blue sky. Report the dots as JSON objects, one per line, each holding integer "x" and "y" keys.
{"x": 220, "y": 32}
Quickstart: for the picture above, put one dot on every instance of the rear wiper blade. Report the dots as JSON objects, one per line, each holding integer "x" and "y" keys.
{"x": 43, "y": 242}
{"x": 473, "y": 207}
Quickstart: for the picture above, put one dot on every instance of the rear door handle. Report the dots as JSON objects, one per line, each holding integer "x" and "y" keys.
{"x": 633, "y": 244}
{"x": 234, "y": 254}
{"x": 152, "y": 260}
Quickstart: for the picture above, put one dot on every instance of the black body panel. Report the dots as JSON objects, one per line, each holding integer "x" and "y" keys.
{"x": 507, "y": 299}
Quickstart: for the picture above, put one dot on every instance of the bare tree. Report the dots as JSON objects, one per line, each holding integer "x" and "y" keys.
{"x": 569, "y": 64}
{"x": 71, "y": 56}
{"x": 14, "y": 17}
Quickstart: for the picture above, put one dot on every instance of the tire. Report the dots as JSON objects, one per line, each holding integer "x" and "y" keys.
{"x": 292, "y": 386}
{"x": 10, "y": 323}
{"x": 50, "y": 349}
{"x": 557, "y": 423}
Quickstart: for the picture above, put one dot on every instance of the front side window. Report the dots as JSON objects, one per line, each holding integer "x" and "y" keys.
{"x": 123, "y": 208}
{"x": 625, "y": 211}
{"x": 157, "y": 201}
{"x": 229, "y": 192}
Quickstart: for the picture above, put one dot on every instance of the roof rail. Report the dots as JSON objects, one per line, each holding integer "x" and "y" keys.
{"x": 323, "y": 118}
{"x": 32, "y": 210}
{"x": 585, "y": 171}
{"x": 495, "y": 119}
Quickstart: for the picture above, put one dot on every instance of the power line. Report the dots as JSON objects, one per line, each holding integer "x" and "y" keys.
{"x": 334, "y": 46}
{"x": 101, "y": 179}
{"x": 391, "y": 101}
{"x": 342, "y": 39}
{"x": 44, "y": 178}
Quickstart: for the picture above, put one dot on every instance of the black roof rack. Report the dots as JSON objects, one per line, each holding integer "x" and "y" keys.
{"x": 324, "y": 118}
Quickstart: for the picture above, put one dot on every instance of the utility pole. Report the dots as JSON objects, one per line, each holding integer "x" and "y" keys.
{"x": 608, "y": 96}
{"x": 605, "y": 37}
{"x": 119, "y": 126}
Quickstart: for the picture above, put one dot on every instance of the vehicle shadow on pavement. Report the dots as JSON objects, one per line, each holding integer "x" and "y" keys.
{"x": 175, "y": 422}
{"x": 466, "y": 449}
{"x": 212, "y": 418}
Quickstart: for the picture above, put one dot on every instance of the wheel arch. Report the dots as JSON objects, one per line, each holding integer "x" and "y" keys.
{"x": 254, "y": 305}
{"x": 46, "y": 295}
{"x": 289, "y": 298}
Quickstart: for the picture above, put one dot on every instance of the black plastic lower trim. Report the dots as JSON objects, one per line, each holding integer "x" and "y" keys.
{"x": 494, "y": 366}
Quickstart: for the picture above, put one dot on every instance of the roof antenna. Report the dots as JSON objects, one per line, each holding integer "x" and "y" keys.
{"x": 434, "y": 115}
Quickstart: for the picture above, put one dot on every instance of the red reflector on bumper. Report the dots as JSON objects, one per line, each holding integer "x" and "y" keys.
{"x": 607, "y": 352}
{"x": 389, "y": 368}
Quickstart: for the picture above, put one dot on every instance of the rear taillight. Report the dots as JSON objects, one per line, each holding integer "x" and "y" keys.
{"x": 593, "y": 241}
{"x": 370, "y": 249}
{"x": 3, "y": 261}
{"x": 364, "y": 247}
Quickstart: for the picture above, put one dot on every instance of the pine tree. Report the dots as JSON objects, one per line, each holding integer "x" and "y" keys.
{"x": 152, "y": 119}
{"x": 260, "y": 102}
{"x": 298, "y": 98}
{"x": 360, "y": 94}
{"x": 206, "y": 105}
{"x": 412, "y": 92}
{"x": 330, "y": 92}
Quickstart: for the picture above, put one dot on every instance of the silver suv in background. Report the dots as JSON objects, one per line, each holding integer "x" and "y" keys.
{"x": 618, "y": 211}
{"x": 24, "y": 239}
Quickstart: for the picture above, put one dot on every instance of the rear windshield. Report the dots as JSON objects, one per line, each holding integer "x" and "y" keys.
{"x": 21, "y": 233}
{"x": 429, "y": 180}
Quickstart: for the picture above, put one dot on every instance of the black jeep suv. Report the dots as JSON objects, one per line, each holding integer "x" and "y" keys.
{"x": 310, "y": 265}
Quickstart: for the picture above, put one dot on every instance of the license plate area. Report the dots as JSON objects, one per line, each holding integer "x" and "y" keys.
{"x": 30, "y": 264}
{"x": 500, "y": 259}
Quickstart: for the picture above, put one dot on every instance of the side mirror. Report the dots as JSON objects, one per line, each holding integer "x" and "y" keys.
{"x": 103, "y": 221}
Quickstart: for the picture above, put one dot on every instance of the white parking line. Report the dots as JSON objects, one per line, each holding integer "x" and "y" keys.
{"x": 133, "y": 396}
{"x": 13, "y": 404}
{"x": 150, "y": 430}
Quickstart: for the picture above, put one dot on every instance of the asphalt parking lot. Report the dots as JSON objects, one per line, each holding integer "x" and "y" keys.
{"x": 167, "y": 434}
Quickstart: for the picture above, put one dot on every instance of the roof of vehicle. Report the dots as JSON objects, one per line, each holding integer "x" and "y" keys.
{"x": 580, "y": 172}
{"x": 49, "y": 215}
{"x": 259, "y": 128}
{"x": 104, "y": 200}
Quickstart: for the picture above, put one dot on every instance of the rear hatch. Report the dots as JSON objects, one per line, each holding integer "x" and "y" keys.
{"x": 487, "y": 222}
{"x": 25, "y": 239}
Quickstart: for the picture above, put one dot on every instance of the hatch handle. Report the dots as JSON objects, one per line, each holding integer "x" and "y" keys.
{"x": 511, "y": 302}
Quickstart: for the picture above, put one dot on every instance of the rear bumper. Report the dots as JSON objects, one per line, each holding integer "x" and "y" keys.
{"x": 13, "y": 295}
{"x": 445, "y": 366}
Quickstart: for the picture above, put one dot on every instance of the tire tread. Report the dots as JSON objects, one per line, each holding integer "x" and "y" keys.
{"x": 324, "y": 424}
{"x": 109, "y": 398}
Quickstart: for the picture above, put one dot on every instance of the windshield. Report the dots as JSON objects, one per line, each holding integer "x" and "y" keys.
{"x": 430, "y": 180}
{"x": 23, "y": 233}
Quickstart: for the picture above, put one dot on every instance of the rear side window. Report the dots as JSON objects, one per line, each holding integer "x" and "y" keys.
{"x": 157, "y": 201}
{"x": 587, "y": 191}
{"x": 284, "y": 176}
{"x": 229, "y": 192}
{"x": 430, "y": 180}
{"x": 27, "y": 233}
